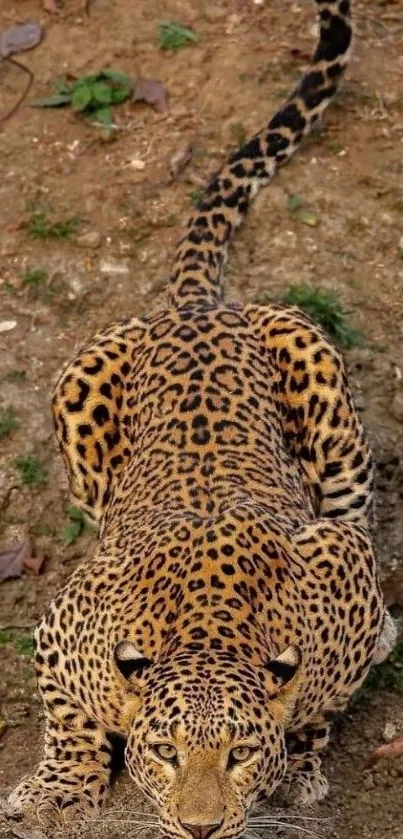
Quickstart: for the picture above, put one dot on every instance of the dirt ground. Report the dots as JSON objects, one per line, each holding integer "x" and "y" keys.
{"x": 130, "y": 212}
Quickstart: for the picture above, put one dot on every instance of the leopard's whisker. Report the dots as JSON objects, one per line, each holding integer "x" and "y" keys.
{"x": 124, "y": 821}
{"x": 287, "y": 816}
{"x": 250, "y": 834}
{"x": 275, "y": 823}
{"x": 140, "y": 813}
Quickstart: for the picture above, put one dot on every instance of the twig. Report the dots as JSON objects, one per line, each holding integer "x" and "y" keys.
{"x": 24, "y": 93}
{"x": 9, "y": 626}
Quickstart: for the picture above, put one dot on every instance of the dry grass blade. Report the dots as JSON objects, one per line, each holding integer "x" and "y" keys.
{"x": 269, "y": 823}
{"x": 25, "y": 92}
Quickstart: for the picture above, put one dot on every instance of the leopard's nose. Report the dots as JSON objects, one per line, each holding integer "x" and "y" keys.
{"x": 201, "y": 831}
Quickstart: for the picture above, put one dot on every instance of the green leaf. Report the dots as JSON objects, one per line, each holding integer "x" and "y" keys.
{"x": 294, "y": 203}
{"x": 103, "y": 115}
{"x": 72, "y": 532}
{"x": 78, "y": 524}
{"x": 25, "y": 645}
{"x": 119, "y": 78}
{"x": 81, "y": 97}
{"x": 75, "y": 514}
{"x": 85, "y": 81}
{"x": 120, "y": 94}
{"x": 102, "y": 93}
{"x": 56, "y": 100}
{"x": 62, "y": 86}
{"x": 5, "y": 637}
{"x": 174, "y": 36}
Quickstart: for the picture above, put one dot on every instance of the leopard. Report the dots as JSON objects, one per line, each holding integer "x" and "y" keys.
{"x": 231, "y": 606}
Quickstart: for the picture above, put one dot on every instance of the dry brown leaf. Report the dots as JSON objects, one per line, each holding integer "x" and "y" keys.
{"x": 392, "y": 589}
{"x": 151, "y": 91}
{"x": 392, "y": 749}
{"x": 180, "y": 160}
{"x": 17, "y": 557}
{"x": 21, "y": 37}
{"x": 33, "y": 564}
{"x": 51, "y": 6}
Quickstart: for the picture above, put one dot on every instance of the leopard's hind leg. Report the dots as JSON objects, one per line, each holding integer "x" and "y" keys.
{"x": 91, "y": 412}
{"x": 320, "y": 423}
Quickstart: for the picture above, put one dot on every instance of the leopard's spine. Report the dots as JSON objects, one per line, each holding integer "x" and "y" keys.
{"x": 200, "y": 255}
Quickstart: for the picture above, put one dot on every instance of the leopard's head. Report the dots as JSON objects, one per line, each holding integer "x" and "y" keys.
{"x": 207, "y": 738}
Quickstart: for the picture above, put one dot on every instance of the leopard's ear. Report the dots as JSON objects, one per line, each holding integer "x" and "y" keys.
{"x": 285, "y": 667}
{"x": 282, "y": 682}
{"x": 129, "y": 660}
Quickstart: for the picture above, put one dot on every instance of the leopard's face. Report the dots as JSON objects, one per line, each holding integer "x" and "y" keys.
{"x": 208, "y": 742}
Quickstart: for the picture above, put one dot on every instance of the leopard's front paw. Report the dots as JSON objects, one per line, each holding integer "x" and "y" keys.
{"x": 302, "y": 788}
{"x": 53, "y": 800}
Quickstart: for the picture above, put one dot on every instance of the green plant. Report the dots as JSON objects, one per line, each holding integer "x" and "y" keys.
{"x": 34, "y": 277}
{"x": 39, "y": 226}
{"x": 14, "y": 376}
{"x": 32, "y": 473}
{"x": 93, "y": 95}
{"x": 195, "y": 195}
{"x": 326, "y": 308}
{"x": 5, "y": 637}
{"x": 24, "y": 645}
{"x": 8, "y": 421}
{"x": 174, "y": 36}
{"x": 42, "y": 530}
{"x": 294, "y": 202}
{"x": 78, "y": 524}
{"x": 387, "y": 676}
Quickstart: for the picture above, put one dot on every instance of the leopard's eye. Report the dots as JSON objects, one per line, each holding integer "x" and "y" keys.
{"x": 240, "y": 754}
{"x": 165, "y": 751}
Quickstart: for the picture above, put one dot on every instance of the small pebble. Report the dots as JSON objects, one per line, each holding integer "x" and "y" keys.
{"x": 114, "y": 266}
{"x": 92, "y": 239}
{"x": 137, "y": 164}
{"x": 7, "y": 325}
{"x": 389, "y": 732}
{"x": 10, "y": 246}
{"x": 396, "y": 406}
{"x": 213, "y": 14}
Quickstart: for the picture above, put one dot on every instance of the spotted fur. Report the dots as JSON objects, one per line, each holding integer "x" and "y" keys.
{"x": 231, "y": 606}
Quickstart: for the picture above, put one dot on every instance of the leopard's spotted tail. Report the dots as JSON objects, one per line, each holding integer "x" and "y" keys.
{"x": 200, "y": 255}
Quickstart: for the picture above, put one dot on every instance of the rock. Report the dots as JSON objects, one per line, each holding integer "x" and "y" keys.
{"x": 396, "y": 406}
{"x": 10, "y": 246}
{"x": 213, "y": 14}
{"x": 389, "y": 732}
{"x": 92, "y": 239}
{"x": 114, "y": 266}
{"x": 7, "y": 325}
{"x": 137, "y": 164}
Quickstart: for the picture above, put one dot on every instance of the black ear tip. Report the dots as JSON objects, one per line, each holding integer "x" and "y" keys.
{"x": 285, "y": 666}
{"x": 129, "y": 666}
{"x": 129, "y": 660}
